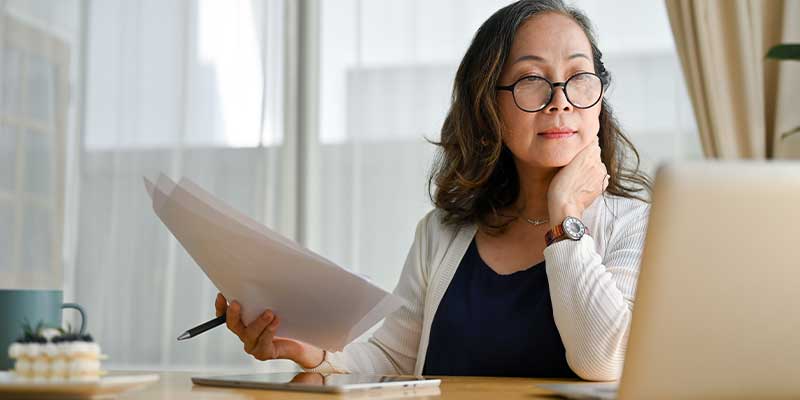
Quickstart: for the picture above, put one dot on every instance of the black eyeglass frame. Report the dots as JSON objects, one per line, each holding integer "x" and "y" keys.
{"x": 553, "y": 86}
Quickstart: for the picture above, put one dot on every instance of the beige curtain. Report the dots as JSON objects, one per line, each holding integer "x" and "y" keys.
{"x": 741, "y": 100}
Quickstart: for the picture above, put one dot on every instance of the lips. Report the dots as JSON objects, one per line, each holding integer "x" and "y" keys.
{"x": 557, "y": 132}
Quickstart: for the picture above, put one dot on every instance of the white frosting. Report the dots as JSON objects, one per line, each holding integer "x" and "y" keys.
{"x": 58, "y": 366}
{"x": 22, "y": 366}
{"x": 81, "y": 348}
{"x": 15, "y": 350}
{"x": 81, "y": 366}
{"x": 41, "y": 366}
{"x": 32, "y": 350}
{"x": 51, "y": 350}
{"x": 83, "y": 370}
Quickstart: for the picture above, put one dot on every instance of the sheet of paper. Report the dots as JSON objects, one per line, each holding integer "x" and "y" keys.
{"x": 318, "y": 302}
{"x": 204, "y": 204}
{"x": 203, "y": 196}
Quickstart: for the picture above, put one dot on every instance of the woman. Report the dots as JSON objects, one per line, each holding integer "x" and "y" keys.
{"x": 528, "y": 264}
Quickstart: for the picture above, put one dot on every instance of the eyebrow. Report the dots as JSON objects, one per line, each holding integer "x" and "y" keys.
{"x": 531, "y": 57}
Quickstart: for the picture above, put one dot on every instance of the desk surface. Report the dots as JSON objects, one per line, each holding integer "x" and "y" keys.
{"x": 178, "y": 385}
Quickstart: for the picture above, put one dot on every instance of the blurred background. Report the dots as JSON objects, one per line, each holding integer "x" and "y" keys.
{"x": 310, "y": 116}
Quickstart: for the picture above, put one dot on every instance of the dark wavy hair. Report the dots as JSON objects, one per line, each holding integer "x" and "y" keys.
{"x": 474, "y": 171}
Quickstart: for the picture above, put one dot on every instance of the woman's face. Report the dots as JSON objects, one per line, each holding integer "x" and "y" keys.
{"x": 552, "y": 46}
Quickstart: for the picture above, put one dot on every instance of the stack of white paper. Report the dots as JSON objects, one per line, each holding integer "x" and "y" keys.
{"x": 318, "y": 302}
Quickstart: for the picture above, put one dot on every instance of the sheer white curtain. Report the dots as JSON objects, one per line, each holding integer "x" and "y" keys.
{"x": 386, "y": 70}
{"x": 97, "y": 94}
{"x": 188, "y": 88}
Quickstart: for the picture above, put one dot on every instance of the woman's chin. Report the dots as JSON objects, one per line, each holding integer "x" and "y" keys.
{"x": 553, "y": 160}
{"x": 547, "y": 157}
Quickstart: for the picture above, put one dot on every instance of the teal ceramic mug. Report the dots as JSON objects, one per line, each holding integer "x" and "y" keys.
{"x": 32, "y": 306}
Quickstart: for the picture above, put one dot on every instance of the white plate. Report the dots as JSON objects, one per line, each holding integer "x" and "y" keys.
{"x": 107, "y": 386}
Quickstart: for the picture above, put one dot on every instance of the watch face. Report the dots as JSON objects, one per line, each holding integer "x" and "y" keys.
{"x": 574, "y": 228}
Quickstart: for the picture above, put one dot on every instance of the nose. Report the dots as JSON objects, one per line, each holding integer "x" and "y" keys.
{"x": 559, "y": 101}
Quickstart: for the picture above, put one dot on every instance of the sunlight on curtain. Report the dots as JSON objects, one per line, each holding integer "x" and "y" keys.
{"x": 236, "y": 70}
{"x": 184, "y": 88}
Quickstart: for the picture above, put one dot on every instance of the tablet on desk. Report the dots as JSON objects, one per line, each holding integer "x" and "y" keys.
{"x": 316, "y": 382}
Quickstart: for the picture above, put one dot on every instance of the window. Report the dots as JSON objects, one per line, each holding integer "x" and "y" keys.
{"x": 33, "y": 114}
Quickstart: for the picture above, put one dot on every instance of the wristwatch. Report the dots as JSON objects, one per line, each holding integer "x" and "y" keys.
{"x": 571, "y": 228}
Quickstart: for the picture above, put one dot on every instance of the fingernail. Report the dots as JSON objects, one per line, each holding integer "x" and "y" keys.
{"x": 265, "y": 316}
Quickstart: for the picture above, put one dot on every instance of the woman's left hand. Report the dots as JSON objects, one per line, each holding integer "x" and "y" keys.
{"x": 577, "y": 184}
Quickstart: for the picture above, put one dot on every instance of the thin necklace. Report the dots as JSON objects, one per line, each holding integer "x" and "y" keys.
{"x": 532, "y": 221}
{"x": 537, "y": 222}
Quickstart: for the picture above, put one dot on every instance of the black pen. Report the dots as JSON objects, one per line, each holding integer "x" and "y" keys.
{"x": 202, "y": 328}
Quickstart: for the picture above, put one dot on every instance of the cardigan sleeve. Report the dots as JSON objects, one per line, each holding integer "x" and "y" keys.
{"x": 392, "y": 349}
{"x": 593, "y": 297}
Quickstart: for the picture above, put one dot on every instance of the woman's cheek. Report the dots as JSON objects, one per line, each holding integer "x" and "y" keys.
{"x": 592, "y": 129}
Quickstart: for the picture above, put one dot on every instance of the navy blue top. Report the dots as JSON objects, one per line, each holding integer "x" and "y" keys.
{"x": 496, "y": 325}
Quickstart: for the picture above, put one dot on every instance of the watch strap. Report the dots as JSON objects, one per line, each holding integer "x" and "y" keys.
{"x": 555, "y": 234}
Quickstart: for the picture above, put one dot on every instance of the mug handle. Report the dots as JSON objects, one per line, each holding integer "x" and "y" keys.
{"x": 80, "y": 310}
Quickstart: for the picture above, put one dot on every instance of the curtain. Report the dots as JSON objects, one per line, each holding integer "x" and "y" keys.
{"x": 734, "y": 90}
{"x": 191, "y": 89}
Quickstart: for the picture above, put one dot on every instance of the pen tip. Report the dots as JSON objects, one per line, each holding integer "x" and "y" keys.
{"x": 184, "y": 335}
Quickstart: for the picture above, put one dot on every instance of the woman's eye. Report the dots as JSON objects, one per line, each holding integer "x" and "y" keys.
{"x": 531, "y": 75}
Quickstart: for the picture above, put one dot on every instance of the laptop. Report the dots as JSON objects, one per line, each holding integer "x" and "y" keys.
{"x": 717, "y": 309}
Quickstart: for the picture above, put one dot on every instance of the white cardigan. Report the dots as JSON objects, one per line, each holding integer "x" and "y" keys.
{"x": 592, "y": 283}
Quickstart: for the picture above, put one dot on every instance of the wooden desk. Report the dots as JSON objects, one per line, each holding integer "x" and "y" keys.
{"x": 178, "y": 385}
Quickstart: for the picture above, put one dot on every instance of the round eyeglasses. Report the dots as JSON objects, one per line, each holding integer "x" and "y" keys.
{"x": 533, "y": 93}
